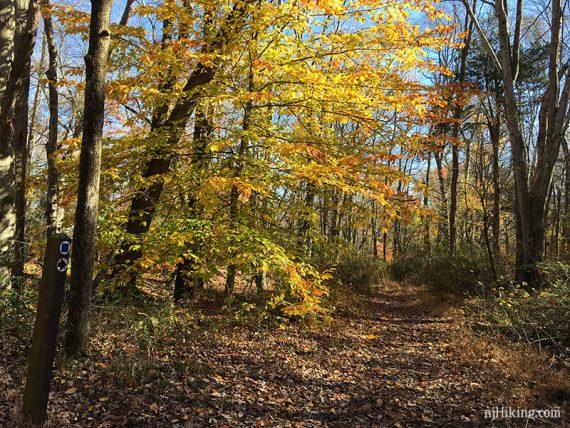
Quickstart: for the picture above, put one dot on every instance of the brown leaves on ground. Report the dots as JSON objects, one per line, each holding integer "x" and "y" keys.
{"x": 385, "y": 361}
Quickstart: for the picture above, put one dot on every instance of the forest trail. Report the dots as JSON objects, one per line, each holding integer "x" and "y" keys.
{"x": 385, "y": 361}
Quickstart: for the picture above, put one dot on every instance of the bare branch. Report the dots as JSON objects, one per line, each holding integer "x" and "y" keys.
{"x": 484, "y": 38}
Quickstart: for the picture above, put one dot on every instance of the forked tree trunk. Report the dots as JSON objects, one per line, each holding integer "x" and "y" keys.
{"x": 553, "y": 120}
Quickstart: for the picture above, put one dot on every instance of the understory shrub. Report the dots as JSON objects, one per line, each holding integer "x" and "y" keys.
{"x": 406, "y": 268}
{"x": 442, "y": 271}
{"x": 361, "y": 270}
{"x": 536, "y": 316}
{"x": 17, "y": 310}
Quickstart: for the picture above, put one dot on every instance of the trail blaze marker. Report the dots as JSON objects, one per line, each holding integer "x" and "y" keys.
{"x": 65, "y": 247}
{"x": 44, "y": 341}
{"x": 61, "y": 265}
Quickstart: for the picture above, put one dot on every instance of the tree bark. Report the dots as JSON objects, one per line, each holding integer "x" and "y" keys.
{"x": 457, "y": 115}
{"x": 84, "y": 232}
{"x": 53, "y": 219}
{"x": 531, "y": 200}
{"x": 427, "y": 243}
{"x": 374, "y": 230}
{"x": 21, "y": 153}
{"x": 6, "y": 42}
{"x": 443, "y": 227}
{"x": 566, "y": 216}
{"x": 11, "y": 104}
{"x": 305, "y": 221}
{"x": 553, "y": 120}
{"x": 494, "y": 133}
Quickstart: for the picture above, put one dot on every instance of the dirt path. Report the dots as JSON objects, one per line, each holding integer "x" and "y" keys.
{"x": 390, "y": 364}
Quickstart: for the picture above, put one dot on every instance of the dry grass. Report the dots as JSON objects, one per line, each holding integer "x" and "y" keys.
{"x": 527, "y": 377}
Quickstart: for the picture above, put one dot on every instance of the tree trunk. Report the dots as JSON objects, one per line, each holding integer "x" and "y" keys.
{"x": 374, "y": 230}
{"x": 427, "y": 243}
{"x": 552, "y": 123}
{"x": 260, "y": 280}
{"x": 20, "y": 144}
{"x": 52, "y": 207}
{"x": 494, "y": 133}
{"x": 305, "y": 222}
{"x": 457, "y": 115}
{"x": 11, "y": 104}
{"x": 146, "y": 198}
{"x": 186, "y": 280}
{"x": 21, "y": 152}
{"x": 566, "y": 216}
{"x": 84, "y": 232}
{"x": 555, "y": 231}
{"x": 6, "y": 42}
{"x": 443, "y": 228}
{"x": 234, "y": 193}
{"x": 453, "y": 190}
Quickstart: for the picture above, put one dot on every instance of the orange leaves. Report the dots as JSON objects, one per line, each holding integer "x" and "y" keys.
{"x": 291, "y": 149}
{"x": 304, "y": 294}
{"x": 349, "y": 161}
{"x": 386, "y": 157}
{"x": 220, "y": 186}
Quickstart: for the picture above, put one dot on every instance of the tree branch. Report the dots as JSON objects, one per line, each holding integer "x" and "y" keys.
{"x": 484, "y": 38}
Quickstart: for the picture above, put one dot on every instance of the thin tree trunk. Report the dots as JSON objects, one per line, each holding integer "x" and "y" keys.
{"x": 84, "y": 232}
{"x": 234, "y": 193}
{"x": 374, "y": 230}
{"x": 555, "y": 233}
{"x": 305, "y": 222}
{"x": 443, "y": 228}
{"x": 21, "y": 152}
{"x": 566, "y": 217}
{"x": 427, "y": 243}
{"x": 52, "y": 208}
{"x": 458, "y": 113}
{"x": 186, "y": 281}
{"x": 32, "y": 133}
{"x": 494, "y": 132}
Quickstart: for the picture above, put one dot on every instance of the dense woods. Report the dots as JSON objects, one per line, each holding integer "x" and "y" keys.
{"x": 278, "y": 165}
